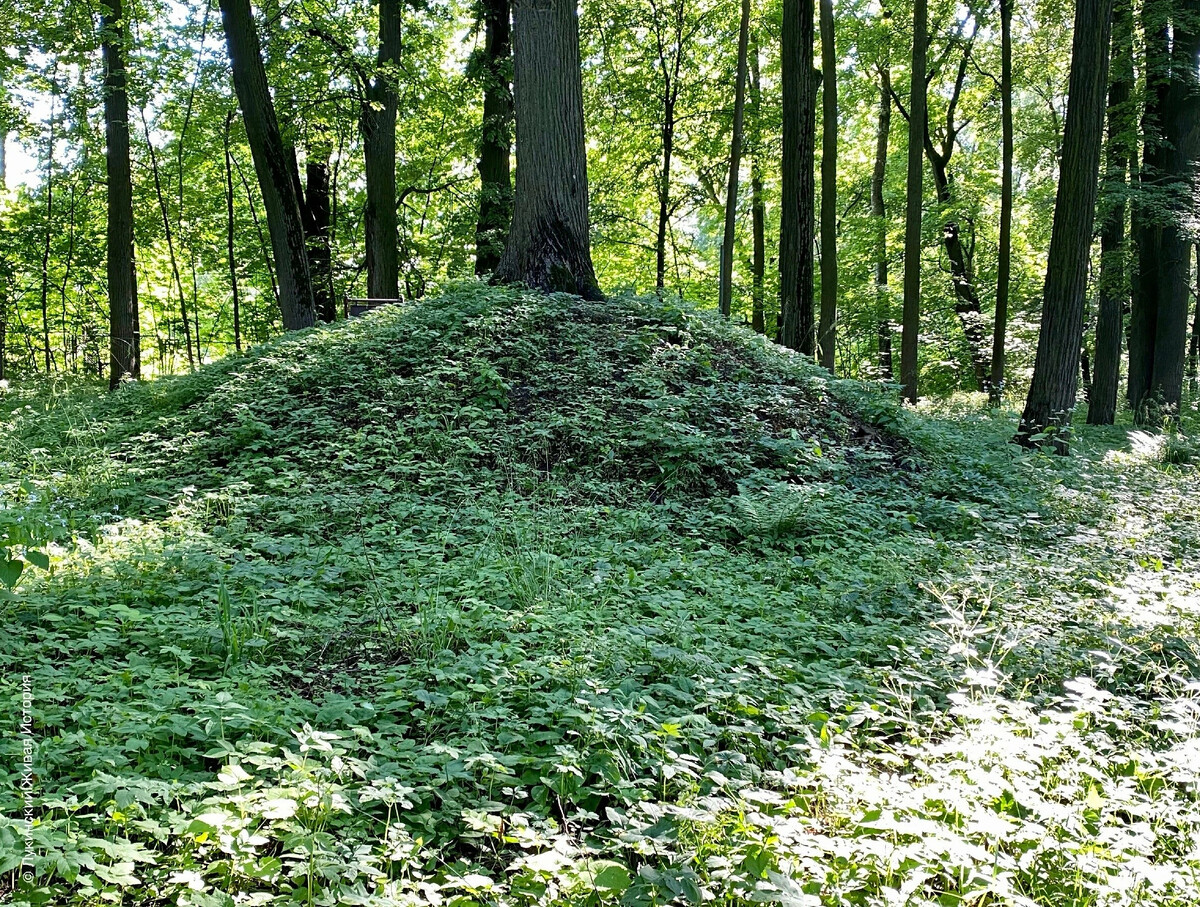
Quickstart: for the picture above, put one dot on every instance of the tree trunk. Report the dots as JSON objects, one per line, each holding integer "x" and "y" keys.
{"x": 912, "y": 222}
{"x": 1113, "y": 287}
{"x": 229, "y": 235}
{"x": 883, "y": 315}
{"x": 1147, "y": 221}
{"x": 495, "y": 189}
{"x": 664, "y": 194}
{"x": 827, "y": 332}
{"x": 1194, "y": 347}
{"x": 1056, "y": 369}
{"x": 1181, "y": 122}
{"x": 377, "y": 123}
{"x": 725, "y": 290}
{"x": 549, "y": 247}
{"x": 797, "y": 215}
{"x": 272, "y": 164}
{"x": 124, "y": 337}
{"x": 758, "y": 211}
{"x": 166, "y": 221}
{"x": 320, "y": 256}
{"x": 1004, "y": 265}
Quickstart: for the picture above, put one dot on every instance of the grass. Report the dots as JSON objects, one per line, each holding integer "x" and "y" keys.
{"x": 507, "y": 600}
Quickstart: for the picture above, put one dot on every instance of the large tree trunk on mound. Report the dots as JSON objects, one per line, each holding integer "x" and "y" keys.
{"x": 548, "y": 245}
{"x": 274, "y": 166}
{"x": 1056, "y": 369}
{"x": 124, "y": 352}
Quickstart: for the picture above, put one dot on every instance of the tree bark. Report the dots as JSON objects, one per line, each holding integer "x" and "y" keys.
{"x": 549, "y": 246}
{"x": 1056, "y": 369}
{"x": 797, "y": 214}
{"x": 758, "y": 210}
{"x": 1113, "y": 287}
{"x": 1004, "y": 264}
{"x": 377, "y": 123}
{"x": 827, "y": 331}
{"x": 1182, "y": 134}
{"x": 883, "y": 315}
{"x": 272, "y": 164}
{"x": 124, "y": 336}
{"x": 316, "y": 228}
{"x": 1147, "y": 220}
{"x": 912, "y": 224}
{"x": 725, "y": 289}
{"x": 495, "y": 192}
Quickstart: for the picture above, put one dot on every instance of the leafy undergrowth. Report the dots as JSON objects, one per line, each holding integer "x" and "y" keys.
{"x": 505, "y": 600}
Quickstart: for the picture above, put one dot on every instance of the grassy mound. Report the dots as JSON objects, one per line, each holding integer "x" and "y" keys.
{"x": 500, "y": 599}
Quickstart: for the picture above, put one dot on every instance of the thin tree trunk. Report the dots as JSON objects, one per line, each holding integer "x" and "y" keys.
{"x": 883, "y": 315}
{"x": 664, "y": 195}
{"x": 1114, "y": 288}
{"x": 162, "y": 207}
{"x": 272, "y": 164}
{"x": 49, "y": 232}
{"x": 826, "y": 333}
{"x": 912, "y": 224}
{"x": 549, "y": 247}
{"x": 725, "y": 290}
{"x": 1194, "y": 346}
{"x": 229, "y": 235}
{"x": 797, "y": 214}
{"x": 495, "y": 143}
{"x": 377, "y": 122}
{"x": 758, "y": 211}
{"x": 262, "y": 240}
{"x": 1004, "y": 265}
{"x": 1056, "y": 369}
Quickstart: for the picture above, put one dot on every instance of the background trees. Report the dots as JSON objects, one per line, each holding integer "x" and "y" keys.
{"x": 394, "y": 121}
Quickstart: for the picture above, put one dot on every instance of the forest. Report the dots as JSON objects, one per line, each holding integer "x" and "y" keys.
{"x": 496, "y": 453}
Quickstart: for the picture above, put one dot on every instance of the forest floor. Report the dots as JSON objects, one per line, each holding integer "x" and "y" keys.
{"x": 506, "y": 600}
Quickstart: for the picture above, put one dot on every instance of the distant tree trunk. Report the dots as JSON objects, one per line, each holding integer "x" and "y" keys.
{"x": 229, "y": 234}
{"x": 169, "y": 235}
{"x": 48, "y": 233}
{"x": 827, "y": 332}
{"x": 1113, "y": 287}
{"x": 758, "y": 211}
{"x": 725, "y": 290}
{"x": 377, "y": 123}
{"x": 1056, "y": 369}
{"x": 883, "y": 315}
{"x": 797, "y": 214}
{"x": 273, "y": 165}
{"x": 549, "y": 247}
{"x": 1004, "y": 265}
{"x": 320, "y": 255}
{"x": 495, "y": 143}
{"x": 124, "y": 340}
{"x": 1181, "y": 124}
{"x": 1147, "y": 219}
{"x": 1194, "y": 347}
{"x": 912, "y": 222}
